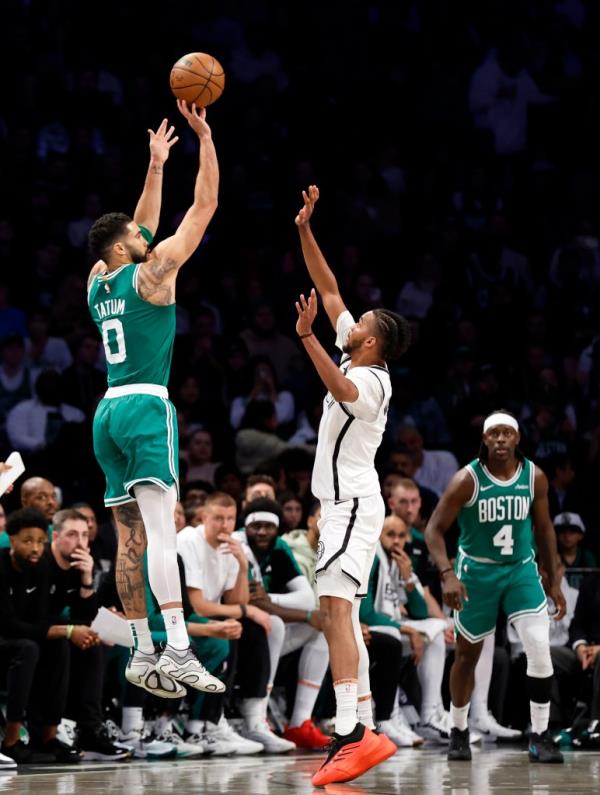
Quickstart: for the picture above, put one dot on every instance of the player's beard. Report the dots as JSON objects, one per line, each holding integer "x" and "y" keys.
{"x": 350, "y": 348}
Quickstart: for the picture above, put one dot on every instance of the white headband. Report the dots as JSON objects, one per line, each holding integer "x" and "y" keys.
{"x": 499, "y": 418}
{"x": 262, "y": 516}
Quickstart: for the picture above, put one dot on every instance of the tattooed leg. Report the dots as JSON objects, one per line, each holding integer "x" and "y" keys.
{"x": 130, "y": 559}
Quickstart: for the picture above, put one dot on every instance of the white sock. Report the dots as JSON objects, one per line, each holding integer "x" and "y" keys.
{"x": 306, "y": 695}
{"x": 365, "y": 711}
{"x": 346, "y": 700}
{"x": 254, "y": 711}
{"x": 177, "y": 635}
{"x": 195, "y": 726}
{"x": 431, "y": 673}
{"x": 483, "y": 677}
{"x": 140, "y": 634}
{"x": 132, "y": 719}
{"x": 458, "y": 716}
{"x": 540, "y": 715}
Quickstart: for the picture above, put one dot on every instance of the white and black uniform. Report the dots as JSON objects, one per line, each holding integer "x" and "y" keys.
{"x": 345, "y": 480}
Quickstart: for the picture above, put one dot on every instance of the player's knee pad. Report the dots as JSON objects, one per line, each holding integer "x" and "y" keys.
{"x": 533, "y": 632}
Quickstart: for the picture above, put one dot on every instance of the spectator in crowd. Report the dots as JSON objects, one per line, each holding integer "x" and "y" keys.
{"x": 584, "y": 638}
{"x": 570, "y": 531}
{"x": 15, "y": 376}
{"x": 43, "y": 352}
{"x": 278, "y": 586}
{"x": 38, "y": 423}
{"x": 40, "y": 493}
{"x": 561, "y": 480}
{"x": 36, "y": 650}
{"x": 216, "y": 573}
{"x": 199, "y": 457}
{"x": 72, "y": 601}
{"x": 292, "y": 510}
{"x": 263, "y": 338}
{"x": 304, "y": 544}
{"x": 83, "y": 383}
{"x": 434, "y": 468}
{"x": 257, "y": 440}
{"x": 264, "y": 387}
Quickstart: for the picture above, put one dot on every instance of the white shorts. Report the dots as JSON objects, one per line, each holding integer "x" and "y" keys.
{"x": 349, "y": 532}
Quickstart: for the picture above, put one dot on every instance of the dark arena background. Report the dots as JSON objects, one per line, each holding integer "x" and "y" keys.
{"x": 456, "y": 149}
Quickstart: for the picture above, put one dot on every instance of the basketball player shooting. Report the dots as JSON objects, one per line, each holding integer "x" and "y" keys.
{"x": 131, "y": 296}
{"x": 346, "y": 483}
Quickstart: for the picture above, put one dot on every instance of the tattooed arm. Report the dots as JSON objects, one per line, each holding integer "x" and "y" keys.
{"x": 156, "y": 279}
{"x": 147, "y": 212}
{"x": 129, "y": 572}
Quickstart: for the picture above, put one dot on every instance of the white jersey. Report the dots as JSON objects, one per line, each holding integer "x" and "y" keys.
{"x": 350, "y": 433}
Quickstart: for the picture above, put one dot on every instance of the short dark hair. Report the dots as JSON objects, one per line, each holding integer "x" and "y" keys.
{"x": 26, "y": 517}
{"x": 263, "y": 504}
{"x": 60, "y": 517}
{"x": 105, "y": 232}
{"x": 260, "y": 478}
{"x": 394, "y": 332}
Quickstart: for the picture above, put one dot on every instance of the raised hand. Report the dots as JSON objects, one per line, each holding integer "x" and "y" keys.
{"x": 307, "y": 312}
{"x": 196, "y": 118}
{"x": 161, "y": 141}
{"x": 310, "y": 199}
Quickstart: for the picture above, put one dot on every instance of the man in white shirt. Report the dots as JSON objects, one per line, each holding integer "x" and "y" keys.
{"x": 346, "y": 483}
{"x": 434, "y": 468}
{"x": 216, "y": 572}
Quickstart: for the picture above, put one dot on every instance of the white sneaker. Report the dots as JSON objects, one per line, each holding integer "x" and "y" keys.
{"x": 217, "y": 742}
{"x": 400, "y": 722}
{"x": 488, "y": 726}
{"x": 67, "y": 731}
{"x": 143, "y": 746}
{"x": 6, "y": 763}
{"x": 436, "y": 726}
{"x": 183, "y": 748}
{"x": 223, "y": 732}
{"x": 262, "y": 733}
{"x": 399, "y": 735}
{"x": 185, "y": 667}
{"x": 141, "y": 671}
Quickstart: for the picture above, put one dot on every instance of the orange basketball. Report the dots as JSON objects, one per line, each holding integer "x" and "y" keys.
{"x": 197, "y": 77}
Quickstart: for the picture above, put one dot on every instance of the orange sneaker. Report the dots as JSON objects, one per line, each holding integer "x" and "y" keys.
{"x": 386, "y": 748}
{"x": 307, "y": 736}
{"x": 350, "y": 755}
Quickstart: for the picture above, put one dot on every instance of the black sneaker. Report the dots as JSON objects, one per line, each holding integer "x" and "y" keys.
{"x": 459, "y": 747}
{"x": 20, "y": 752}
{"x": 543, "y": 749}
{"x": 63, "y": 753}
{"x": 98, "y": 747}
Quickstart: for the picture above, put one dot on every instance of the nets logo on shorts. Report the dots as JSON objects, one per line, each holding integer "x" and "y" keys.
{"x": 320, "y": 550}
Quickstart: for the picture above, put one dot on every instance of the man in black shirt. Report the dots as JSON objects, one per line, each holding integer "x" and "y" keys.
{"x": 73, "y": 601}
{"x": 34, "y": 650}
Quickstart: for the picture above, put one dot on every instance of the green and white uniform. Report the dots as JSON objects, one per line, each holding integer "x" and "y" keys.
{"x": 135, "y": 427}
{"x": 496, "y": 558}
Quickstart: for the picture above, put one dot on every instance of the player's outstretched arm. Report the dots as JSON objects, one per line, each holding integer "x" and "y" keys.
{"x": 342, "y": 389}
{"x": 147, "y": 212}
{"x": 319, "y": 270}
{"x": 156, "y": 280}
{"x": 545, "y": 539}
{"x": 458, "y": 492}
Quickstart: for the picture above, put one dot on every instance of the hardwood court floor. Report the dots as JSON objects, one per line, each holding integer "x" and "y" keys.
{"x": 418, "y": 772}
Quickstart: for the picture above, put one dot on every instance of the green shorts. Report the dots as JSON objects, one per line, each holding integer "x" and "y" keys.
{"x": 136, "y": 441}
{"x": 514, "y": 587}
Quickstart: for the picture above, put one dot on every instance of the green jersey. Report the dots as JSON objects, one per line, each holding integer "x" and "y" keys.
{"x": 137, "y": 336}
{"x": 496, "y": 525}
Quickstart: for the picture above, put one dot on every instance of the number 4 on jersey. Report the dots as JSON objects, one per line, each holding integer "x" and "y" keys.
{"x": 504, "y": 539}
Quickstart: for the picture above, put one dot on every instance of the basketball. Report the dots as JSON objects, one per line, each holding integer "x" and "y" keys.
{"x": 197, "y": 77}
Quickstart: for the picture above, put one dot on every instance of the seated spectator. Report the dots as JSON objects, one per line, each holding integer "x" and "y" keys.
{"x": 304, "y": 543}
{"x": 229, "y": 479}
{"x": 561, "y": 478}
{"x": 37, "y": 423}
{"x": 43, "y": 352}
{"x": 40, "y": 493}
{"x": 257, "y": 441}
{"x": 279, "y": 587}
{"x": 198, "y": 457}
{"x": 258, "y": 485}
{"x": 180, "y": 520}
{"x": 83, "y": 383}
{"x": 73, "y": 603}
{"x": 584, "y": 637}
{"x": 216, "y": 572}
{"x": 264, "y": 387}
{"x": 34, "y": 652}
{"x": 15, "y": 376}
{"x": 402, "y": 461}
{"x": 434, "y": 468}
{"x": 262, "y": 338}
{"x": 292, "y": 510}
{"x": 570, "y": 531}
